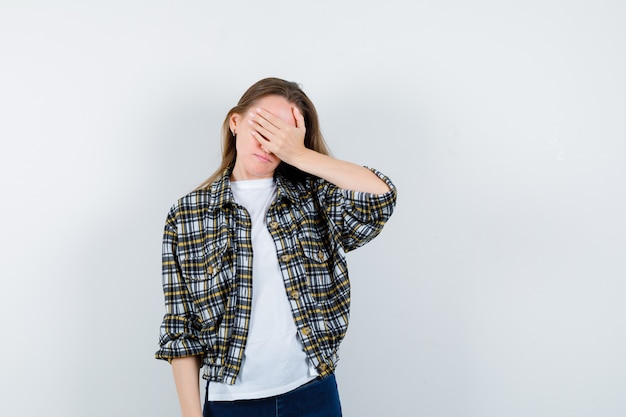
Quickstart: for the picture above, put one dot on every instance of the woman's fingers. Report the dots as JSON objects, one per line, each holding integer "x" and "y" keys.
{"x": 261, "y": 129}
{"x": 267, "y": 119}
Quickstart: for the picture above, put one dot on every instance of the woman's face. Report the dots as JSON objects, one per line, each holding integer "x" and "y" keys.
{"x": 252, "y": 161}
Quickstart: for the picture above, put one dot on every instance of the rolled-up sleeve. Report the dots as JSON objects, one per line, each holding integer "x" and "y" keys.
{"x": 359, "y": 216}
{"x": 180, "y": 329}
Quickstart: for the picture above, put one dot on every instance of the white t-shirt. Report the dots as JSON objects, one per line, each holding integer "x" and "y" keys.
{"x": 274, "y": 360}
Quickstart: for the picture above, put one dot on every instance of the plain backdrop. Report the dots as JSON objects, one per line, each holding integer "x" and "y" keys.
{"x": 496, "y": 289}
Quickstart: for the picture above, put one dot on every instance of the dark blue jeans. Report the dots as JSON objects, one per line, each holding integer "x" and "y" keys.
{"x": 318, "y": 398}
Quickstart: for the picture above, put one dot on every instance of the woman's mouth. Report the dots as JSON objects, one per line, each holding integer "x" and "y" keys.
{"x": 263, "y": 158}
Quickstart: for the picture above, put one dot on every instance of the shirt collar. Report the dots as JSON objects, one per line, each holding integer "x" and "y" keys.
{"x": 222, "y": 194}
{"x": 286, "y": 189}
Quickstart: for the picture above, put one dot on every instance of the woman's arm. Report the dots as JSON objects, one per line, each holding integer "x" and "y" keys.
{"x": 343, "y": 174}
{"x": 187, "y": 381}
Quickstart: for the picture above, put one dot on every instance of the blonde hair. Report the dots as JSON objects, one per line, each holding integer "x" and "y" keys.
{"x": 292, "y": 92}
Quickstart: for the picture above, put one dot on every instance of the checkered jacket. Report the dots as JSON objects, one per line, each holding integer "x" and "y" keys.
{"x": 207, "y": 268}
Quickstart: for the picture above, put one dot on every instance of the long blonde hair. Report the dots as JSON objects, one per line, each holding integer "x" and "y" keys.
{"x": 292, "y": 92}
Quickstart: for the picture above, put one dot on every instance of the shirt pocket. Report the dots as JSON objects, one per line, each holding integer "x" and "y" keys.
{"x": 209, "y": 277}
{"x": 205, "y": 264}
{"x": 317, "y": 263}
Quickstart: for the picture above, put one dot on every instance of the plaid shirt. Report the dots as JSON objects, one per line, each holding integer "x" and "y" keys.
{"x": 207, "y": 268}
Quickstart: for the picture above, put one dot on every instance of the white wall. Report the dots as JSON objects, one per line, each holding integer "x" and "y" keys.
{"x": 495, "y": 290}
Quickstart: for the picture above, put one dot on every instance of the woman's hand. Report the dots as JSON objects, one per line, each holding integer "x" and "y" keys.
{"x": 277, "y": 136}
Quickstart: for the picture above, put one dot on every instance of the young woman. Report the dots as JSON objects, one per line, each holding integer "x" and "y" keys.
{"x": 254, "y": 272}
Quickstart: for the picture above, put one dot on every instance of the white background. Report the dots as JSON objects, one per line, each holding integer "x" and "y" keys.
{"x": 496, "y": 289}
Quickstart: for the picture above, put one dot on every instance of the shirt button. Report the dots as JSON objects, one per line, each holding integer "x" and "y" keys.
{"x": 320, "y": 255}
{"x": 210, "y": 269}
{"x": 306, "y": 331}
{"x": 295, "y": 294}
{"x": 285, "y": 258}
{"x": 322, "y": 368}
{"x": 273, "y": 225}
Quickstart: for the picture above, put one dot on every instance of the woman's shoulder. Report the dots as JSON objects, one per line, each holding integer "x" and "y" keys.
{"x": 191, "y": 205}
{"x": 195, "y": 197}
{"x": 214, "y": 193}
